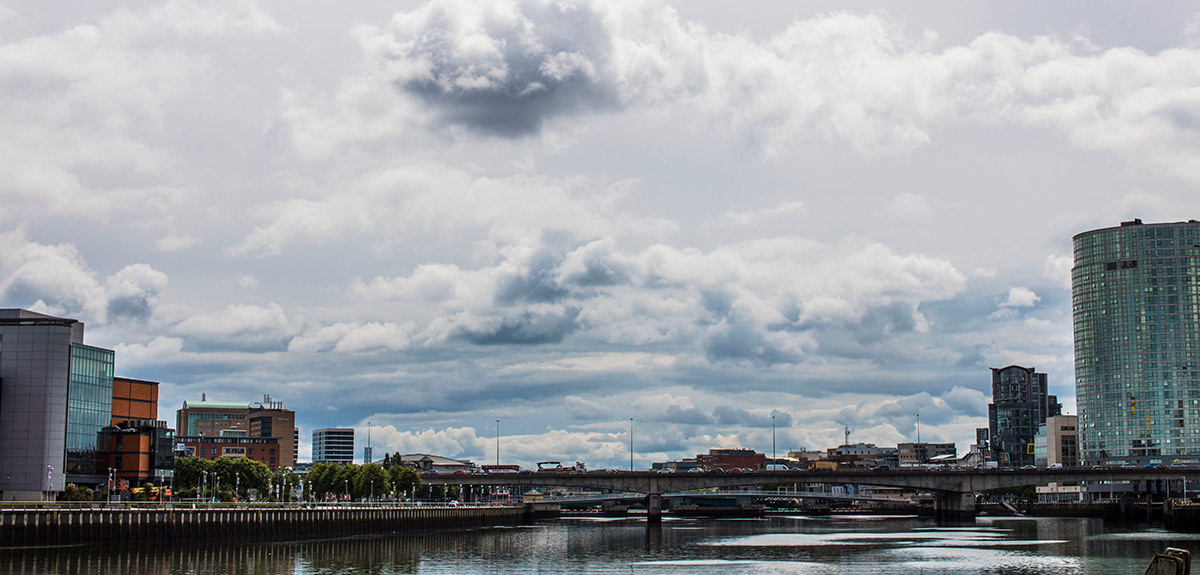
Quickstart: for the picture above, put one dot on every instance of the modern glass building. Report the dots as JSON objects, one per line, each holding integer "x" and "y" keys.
{"x": 333, "y": 445}
{"x": 1019, "y": 406}
{"x": 55, "y": 397}
{"x": 1135, "y": 298}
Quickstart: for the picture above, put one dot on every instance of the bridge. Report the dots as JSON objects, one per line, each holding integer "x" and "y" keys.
{"x": 953, "y": 490}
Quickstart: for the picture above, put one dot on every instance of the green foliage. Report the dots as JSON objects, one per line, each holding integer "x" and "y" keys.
{"x": 188, "y": 471}
{"x": 371, "y": 481}
{"x": 74, "y": 492}
{"x": 404, "y": 479}
{"x": 242, "y": 473}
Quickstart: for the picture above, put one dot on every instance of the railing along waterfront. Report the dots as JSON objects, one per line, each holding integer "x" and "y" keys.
{"x": 137, "y": 523}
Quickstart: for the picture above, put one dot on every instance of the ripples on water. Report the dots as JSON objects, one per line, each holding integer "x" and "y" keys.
{"x": 778, "y": 545}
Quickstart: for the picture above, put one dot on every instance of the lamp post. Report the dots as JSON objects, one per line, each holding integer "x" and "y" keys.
{"x": 631, "y": 444}
{"x": 772, "y": 438}
{"x": 346, "y": 488}
{"x": 49, "y": 481}
{"x": 497, "y": 445}
{"x": 918, "y": 428}
{"x": 110, "y": 483}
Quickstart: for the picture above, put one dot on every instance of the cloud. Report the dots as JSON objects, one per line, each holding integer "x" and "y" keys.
{"x": 241, "y": 324}
{"x": 728, "y": 415}
{"x": 59, "y": 278}
{"x": 585, "y": 409}
{"x": 749, "y": 218}
{"x": 159, "y": 351}
{"x": 506, "y": 67}
{"x": 1058, "y": 270}
{"x": 1020, "y": 297}
{"x": 133, "y": 291}
{"x": 84, "y": 109}
{"x": 541, "y": 326}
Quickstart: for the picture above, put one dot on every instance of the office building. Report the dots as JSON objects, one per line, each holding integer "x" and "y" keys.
{"x": 1057, "y": 442}
{"x": 1135, "y": 291}
{"x": 261, "y": 420}
{"x": 922, "y": 453}
{"x": 136, "y": 448}
{"x": 55, "y": 397}
{"x": 333, "y": 445}
{"x": 1019, "y": 406}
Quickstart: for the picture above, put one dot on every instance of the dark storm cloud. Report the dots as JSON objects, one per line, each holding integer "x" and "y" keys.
{"x": 727, "y": 415}
{"x": 538, "y": 285}
{"x": 505, "y": 69}
{"x": 744, "y": 342}
{"x": 528, "y": 328}
{"x": 688, "y": 415}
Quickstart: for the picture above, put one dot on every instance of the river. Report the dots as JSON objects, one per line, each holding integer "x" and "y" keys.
{"x": 777, "y": 545}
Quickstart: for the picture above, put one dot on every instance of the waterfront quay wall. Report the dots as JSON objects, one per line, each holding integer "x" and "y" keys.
{"x": 67, "y": 525}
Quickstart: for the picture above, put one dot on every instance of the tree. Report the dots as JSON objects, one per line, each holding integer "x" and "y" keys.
{"x": 242, "y": 473}
{"x": 404, "y": 479}
{"x": 371, "y": 481}
{"x": 188, "y": 471}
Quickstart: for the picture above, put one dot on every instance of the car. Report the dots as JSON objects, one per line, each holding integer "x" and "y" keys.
{"x": 666, "y": 470}
{"x": 1155, "y": 466}
{"x": 1028, "y": 467}
{"x": 696, "y": 470}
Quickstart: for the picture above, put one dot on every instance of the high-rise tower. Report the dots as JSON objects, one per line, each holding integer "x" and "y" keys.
{"x": 1135, "y": 293}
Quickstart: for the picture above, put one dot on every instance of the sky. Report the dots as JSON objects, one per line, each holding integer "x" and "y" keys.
{"x": 535, "y": 224}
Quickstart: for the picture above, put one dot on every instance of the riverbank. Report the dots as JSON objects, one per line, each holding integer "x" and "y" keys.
{"x": 199, "y": 523}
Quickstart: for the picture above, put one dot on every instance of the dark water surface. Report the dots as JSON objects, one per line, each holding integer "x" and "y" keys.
{"x": 776, "y": 545}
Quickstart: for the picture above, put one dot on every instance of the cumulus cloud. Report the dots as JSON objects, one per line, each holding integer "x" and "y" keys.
{"x": 241, "y": 324}
{"x": 59, "y": 278}
{"x": 586, "y": 409}
{"x": 507, "y": 67}
{"x": 1020, "y": 297}
{"x": 1057, "y": 270}
{"x": 512, "y": 68}
{"x": 133, "y": 291}
{"x": 161, "y": 350}
{"x": 83, "y": 109}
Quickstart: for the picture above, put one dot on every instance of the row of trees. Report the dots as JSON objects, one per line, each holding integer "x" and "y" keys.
{"x": 362, "y": 482}
{"x": 232, "y": 478}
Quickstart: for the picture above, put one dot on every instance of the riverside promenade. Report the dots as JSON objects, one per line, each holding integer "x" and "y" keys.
{"x": 151, "y": 524}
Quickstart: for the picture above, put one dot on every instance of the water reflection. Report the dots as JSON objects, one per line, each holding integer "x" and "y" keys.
{"x": 790, "y": 544}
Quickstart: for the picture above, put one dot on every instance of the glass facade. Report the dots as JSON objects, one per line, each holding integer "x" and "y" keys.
{"x": 1135, "y": 301}
{"x": 89, "y": 406}
{"x": 1019, "y": 406}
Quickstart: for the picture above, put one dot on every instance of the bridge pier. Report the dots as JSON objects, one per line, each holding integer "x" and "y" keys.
{"x": 953, "y": 506}
{"x": 654, "y": 507}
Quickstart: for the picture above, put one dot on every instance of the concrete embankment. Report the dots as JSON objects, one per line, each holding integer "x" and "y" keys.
{"x": 185, "y": 524}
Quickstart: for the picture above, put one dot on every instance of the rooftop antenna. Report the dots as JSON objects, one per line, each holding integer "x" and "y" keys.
{"x": 847, "y": 432}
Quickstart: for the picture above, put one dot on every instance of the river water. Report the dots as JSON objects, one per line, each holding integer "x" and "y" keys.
{"x": 777, "y": 545}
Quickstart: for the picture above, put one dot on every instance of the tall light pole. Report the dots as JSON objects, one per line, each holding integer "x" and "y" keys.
{"x": 918, "y": 428}
{"x": 631, "y": 444}
{"x": 497, "y": 445}
{"x": 773, "y": 438}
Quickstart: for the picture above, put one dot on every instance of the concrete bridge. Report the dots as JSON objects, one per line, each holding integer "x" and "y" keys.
{"x": 953, "y": 490}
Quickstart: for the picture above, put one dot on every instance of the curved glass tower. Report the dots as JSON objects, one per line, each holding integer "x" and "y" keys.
{"x": 1135, "y": 293}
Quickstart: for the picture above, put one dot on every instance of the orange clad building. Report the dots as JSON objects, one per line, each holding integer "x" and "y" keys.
{"x": 136, "y": 448}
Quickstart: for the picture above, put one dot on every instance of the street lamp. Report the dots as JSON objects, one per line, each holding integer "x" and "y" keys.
{"x": 110, "y": 483}
{"x": 49, "y": 481}
{"x": 497, "y": 445}
{"x": 631, "y": 444}
{"x": 773, "y": 438}
{"x": 346, "y": 486}
{"x": 918, "y": 428}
